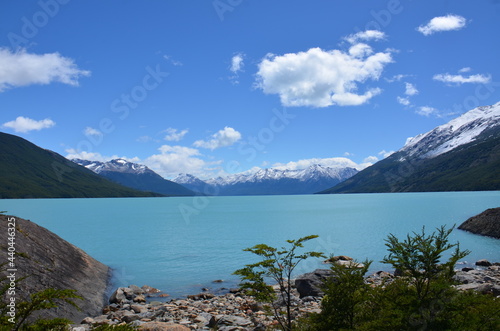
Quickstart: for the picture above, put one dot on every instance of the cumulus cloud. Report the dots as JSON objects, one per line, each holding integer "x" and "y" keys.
{"x": 237, "y": 63}
{"x": 385, "y": 153}
{"x": 173, "y": 160}
{"x": 236, "y": 67}
{"x": 365, "y": 36}
{"x": 442, "y": 23}
{"x": 465, "y": 69}
{"x": 460, "y": 79}
{"x": 396, "y": 78}
{"x": 24, "y": 124}
{"x": 94, "y": 156}
{"x": 22, "y": 69}
{"x": 320, "y": 78}
{"x": 92, "y": 132}
{"x": 426, "y": 111}
{"x": 334, "y": 162}
{"x": 370, "y": 159}
{"x": 410, "y": 89}
{"x": 174, "y": 134}
{"x": 405, "y": 101}
{"x": 223, "y": 138}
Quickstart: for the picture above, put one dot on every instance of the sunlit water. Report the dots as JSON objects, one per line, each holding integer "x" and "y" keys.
{"x": 180, "y": 245}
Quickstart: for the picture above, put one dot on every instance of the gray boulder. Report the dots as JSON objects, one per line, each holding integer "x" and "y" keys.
{"x": 484, "y": 263}
{"x": 486, "y": 224}
{"x": 52, "y": 262}
{"x": 310, "y": 284}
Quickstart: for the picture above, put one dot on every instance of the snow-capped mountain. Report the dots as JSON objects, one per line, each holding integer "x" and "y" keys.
{"x": 269, "y": 181}
{"x": 461, "y": 155}
{"x": 457, "y": 132}
{"x": 117, "y": 165}
{"x": 134, "y": 175}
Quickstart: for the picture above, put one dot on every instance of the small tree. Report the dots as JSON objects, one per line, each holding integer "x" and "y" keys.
{"x": 419, "y": 256}
{"x": 419, "y": 259}
{"x": 345, "y": 294}
{"x": 278, "y": 265}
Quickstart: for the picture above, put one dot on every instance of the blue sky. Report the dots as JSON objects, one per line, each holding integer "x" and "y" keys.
{"x": 218, "y": 87}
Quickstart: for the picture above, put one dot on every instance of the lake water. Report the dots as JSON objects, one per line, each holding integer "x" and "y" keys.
{"x": 180, "y": 245}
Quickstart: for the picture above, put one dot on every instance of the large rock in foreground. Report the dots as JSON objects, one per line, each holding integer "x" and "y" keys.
{"x": 48, "y": 261}
{"x": 486, "y": 224}
{"x": 310, "y": 284}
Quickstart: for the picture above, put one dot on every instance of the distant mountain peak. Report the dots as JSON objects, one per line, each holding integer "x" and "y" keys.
{"x": 459, "y": 131}
{"x": 134, "y": 175}
{"x": 115, "y": 165}
{"x": 271, "y": 180}
{"x": 461, "y": 155}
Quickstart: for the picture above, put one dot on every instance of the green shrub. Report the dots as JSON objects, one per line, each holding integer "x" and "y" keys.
{"x": 346, "y": 295}
{"x": 278, "y": 265}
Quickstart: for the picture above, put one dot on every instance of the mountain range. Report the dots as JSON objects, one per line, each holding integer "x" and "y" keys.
{"x": 270, "y": 181}
{"x": 136, "y": 176}
{"x": 461, "y": 155}
{"x": 28, "y": 171}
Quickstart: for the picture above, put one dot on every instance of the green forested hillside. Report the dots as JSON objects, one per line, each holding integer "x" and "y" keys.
{"x": 471, "y": 167}
{"x": 28, "y": 171}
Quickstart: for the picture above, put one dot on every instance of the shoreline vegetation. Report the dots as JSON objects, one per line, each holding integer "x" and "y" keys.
{"x": 136, "y": 306}
{"x": 423, "y": 290}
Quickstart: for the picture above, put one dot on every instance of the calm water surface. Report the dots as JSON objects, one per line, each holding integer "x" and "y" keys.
{"x": 180, "y": 245}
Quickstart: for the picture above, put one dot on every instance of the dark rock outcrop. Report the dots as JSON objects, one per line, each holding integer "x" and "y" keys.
{"x": 486, "y": 224}
{"x": 310, "y": 284}
{"x": 48, "y": 261}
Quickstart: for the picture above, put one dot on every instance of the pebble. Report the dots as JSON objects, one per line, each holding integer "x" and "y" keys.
{"x": 236, "y": 311}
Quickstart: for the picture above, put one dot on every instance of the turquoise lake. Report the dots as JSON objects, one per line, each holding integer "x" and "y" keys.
{"x": 180, "y": 245}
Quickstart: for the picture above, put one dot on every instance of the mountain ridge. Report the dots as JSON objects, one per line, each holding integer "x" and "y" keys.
{"x": 269, "y": 181}
{"x": 135, "y": 176}
{"x": 461, "y": 155}
{"x": 29, "y": 171}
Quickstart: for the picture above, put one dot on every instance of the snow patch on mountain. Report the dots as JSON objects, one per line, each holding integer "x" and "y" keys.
{"x": 459, "y": 131}
{"x": 285, "y": 181}
{"x": 116, "y": 165}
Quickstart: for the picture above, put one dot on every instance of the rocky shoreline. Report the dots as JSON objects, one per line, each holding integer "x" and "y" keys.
{"x": 138, "y": 307}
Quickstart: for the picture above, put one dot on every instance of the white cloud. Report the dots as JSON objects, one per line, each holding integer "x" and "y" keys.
{"x": 174, "y": 134}
{"x": 92, "y": 132}
{"x": 22, "y": 69}
{"x": 236, "y": 67}
{"x": 237, "y": 63}
{"x": 173, "y": 160}
{"x": 426, "y": 111}
{"x": 365, "y": 36}
{"x": 94, "y": 156}
{"x": 334, "y": 162}
{"x": 411, "y": 89}
{"x": 320, "y": 78}
{"x": 25, "y": 124}
{"x": 385, "y": 153}
{"x": 460, "y": 79}
{"x": 466, "y": 69}
{"x": 370, "y": 159}
{"x": 223, "y": 138}
{"x": 396, "y": 78}
{"x": 404, "y": 101}
{"x": 443, "y": 23}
